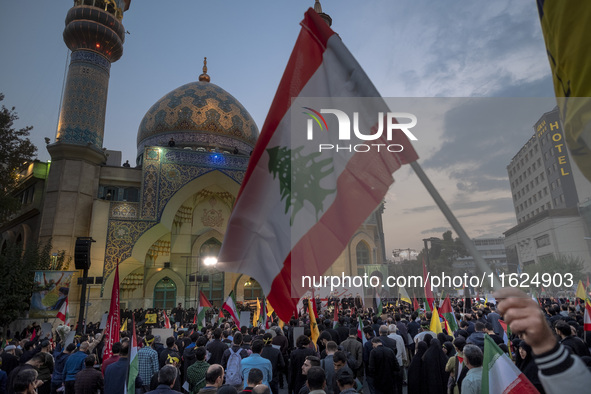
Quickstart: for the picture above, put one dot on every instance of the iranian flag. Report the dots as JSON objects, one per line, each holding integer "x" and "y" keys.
{"x": 448, "y": 314}
{"x": 499, "y": 374}
{"x": 111, "y": 332}
{"x": 64, "y": 313}
{"x": 360, "y": 334}
{"x": 204, "y": 306}
{"x": 230, "y": 307}
{"x": 506, "y": 335}
{"x": 298, "y": 204}
{"x": 133, "y": 362}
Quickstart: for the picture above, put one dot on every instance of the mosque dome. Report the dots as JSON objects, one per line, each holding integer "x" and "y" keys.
{"x": 200, "y": 115}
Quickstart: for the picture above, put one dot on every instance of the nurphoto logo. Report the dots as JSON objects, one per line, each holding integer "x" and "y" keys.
{"x": 376, "y": 133}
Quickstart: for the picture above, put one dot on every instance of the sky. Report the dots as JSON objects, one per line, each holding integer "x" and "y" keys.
{"x": 411, "y": 49}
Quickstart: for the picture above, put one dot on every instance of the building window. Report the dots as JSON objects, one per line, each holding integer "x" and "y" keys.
{"x": 542, "y": 241}
{"x": 362, "y": 254}
{"x": 252, "y": 290}
{"x": 165, "y": 294}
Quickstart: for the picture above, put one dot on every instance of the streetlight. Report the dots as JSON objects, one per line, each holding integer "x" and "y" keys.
{"x": 210, "y": 261}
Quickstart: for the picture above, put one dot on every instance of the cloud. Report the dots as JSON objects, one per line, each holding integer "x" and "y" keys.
{"x": 438, "y": 230}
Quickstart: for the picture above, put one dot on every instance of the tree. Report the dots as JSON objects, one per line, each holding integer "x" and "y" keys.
{"x": 15, "y": 150}
{"x": 547, "y": 271}
{"x": 17, "y": 270}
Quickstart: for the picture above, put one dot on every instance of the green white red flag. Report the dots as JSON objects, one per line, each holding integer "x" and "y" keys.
{"x": 360, "y": 333}
{"x": 278, "y": 234}
{"x": 448, "y": 314}
{"x": 204, "y": 306}
{"x": 230, "y": 307}
{"x": 500, "y": 375}
{"x": 133, "y": 362}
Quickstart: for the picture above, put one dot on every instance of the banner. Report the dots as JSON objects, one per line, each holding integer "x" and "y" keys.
{"x": 50, "y": 291}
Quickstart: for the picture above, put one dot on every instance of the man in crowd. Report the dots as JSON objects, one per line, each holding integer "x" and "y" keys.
{"x": 116, "y": 348}
{"x": 167, "y": 377}
{"x": 383, "y": 367}
{"x": 345, "y": 381}
{"x": 26, "y": 382}
{"x": 216, "y": 347}
{"x": 214, "y": 379}
{"x": 316, "y": 381}
{"x": 33, "y": 364}
{"x": 571, "y": 342}
{"x": 255, "y": 377}
{"x": 89, "y": 380}
{"x": 473, "y": 361}
{"x": 74, "y": 364}
{"x": 147, "y": 361}
{"x": 256, "y": 361}
{"x": 311, "y": 361}
{"x": 355, "y": 348}
{"x": 197, "y": 371}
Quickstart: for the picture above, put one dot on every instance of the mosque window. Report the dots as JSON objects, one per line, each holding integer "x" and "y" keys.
{"x": 362, "y": 254}
{"x": 252, "y": 290}
{"x": 165, "y": 294}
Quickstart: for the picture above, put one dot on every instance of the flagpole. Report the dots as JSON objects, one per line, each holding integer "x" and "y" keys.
{"x": 367, "y": 89}
{"x": 480, "y": 263}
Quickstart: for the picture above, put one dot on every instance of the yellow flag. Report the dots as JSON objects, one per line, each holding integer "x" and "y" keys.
{"x": 124, "y": 325}
{"x": 581, "y": 293}
{"x": 281, "y": 324}
{"x": 435, "y": 325}
{"x": 257, "y": 313}
{"x": 404, "y": 296}
{"x": 151, "y": 318}
{"x": 269, "y": 309}
{"x": 313, "y": 325}
{"x": 566, "y": 29}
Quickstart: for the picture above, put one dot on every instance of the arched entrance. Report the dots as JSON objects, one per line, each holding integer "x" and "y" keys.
{"x": 165, "y": 294}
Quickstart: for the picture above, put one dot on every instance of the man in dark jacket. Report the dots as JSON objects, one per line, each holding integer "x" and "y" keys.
{"x": 57, "y": 378}
{"x": 355, "y": 348}
{"x": 170, "y": 349}
{"x": 477, "y": 337}
{"x": 166, "y": 378}
{"x": 89, "y": 380}
{"x": 216, "y": 347}
{"x": 572, "y": 343}
{"x": 274, "y": 355}
{"x": 383, "y": 367}
{"x": 116, "y": 374}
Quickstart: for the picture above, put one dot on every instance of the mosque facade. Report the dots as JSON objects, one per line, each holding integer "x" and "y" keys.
{"x": 158, "y": 219}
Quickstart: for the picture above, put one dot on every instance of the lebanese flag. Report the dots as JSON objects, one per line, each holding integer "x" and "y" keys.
{"x": 279, "y": 235}
{"x": 430, "y": 300}
{"x": 230, "y": 307}
{"x": 499, "y": 374}
{"x": 587, "y": 317}
{"x": 111, "y": 332}
{"x": 64, "y": 313}
{"x": 166, "y": 320}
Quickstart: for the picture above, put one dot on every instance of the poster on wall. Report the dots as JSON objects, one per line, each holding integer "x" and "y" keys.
{"x": 50, "y": 291}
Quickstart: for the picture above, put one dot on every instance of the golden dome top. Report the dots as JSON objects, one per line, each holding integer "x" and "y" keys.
{"x": 204, "y": 77}
{"x": 199, "y": 115}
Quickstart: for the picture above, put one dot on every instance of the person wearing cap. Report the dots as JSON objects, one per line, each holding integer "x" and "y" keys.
{"x": 9, "y": 360}
{"x": 147, "y": 361}
{"x": 46, "y": 368}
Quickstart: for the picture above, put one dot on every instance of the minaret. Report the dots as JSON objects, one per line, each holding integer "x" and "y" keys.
{"x": 94, "y": 33}
{"x": 318, "y": 9}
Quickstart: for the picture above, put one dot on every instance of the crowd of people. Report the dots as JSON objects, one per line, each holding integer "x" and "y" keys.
{"x": 390, "y": 352}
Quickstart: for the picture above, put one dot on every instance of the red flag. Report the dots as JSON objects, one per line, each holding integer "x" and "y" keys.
{"x": 33, "y": 335}
{"x": 587, "y": 316}
{"x": 195, "y": 317}
{"x": 166, "y": 320}
{"x": 111, "y": 332}
{"x": 428, "y": 292}
{"x": 415, "y": 304}
{"x": 306, "y": 242}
